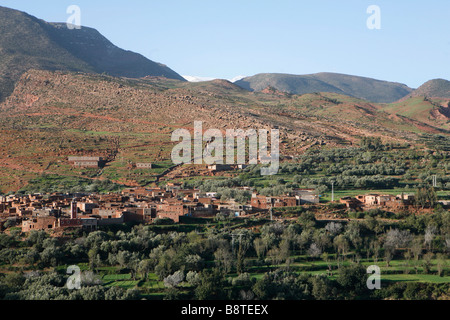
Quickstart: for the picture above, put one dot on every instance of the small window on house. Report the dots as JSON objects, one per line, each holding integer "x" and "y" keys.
{"x": 50, "y": 226}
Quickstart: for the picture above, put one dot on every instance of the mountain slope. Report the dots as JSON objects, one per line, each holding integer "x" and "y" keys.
{"x": 360, "y": 87}
{"x": 89, "y": 45}
{"x": 52, "y": 115}
{"x": 434, "y": 112}
{"x": 30, "y": 43}
{"x": 436, "y": 88}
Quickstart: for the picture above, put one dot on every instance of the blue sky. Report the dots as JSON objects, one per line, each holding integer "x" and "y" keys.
{"x": 224, "y": 39}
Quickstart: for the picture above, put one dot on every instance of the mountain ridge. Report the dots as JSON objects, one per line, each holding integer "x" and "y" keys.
{"x": 434, "y": 88}
{"x": 27, "y": 42}
{"x": 369, "y": 89}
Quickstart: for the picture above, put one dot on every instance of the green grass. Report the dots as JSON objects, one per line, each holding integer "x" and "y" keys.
{"x": 123, "y": 284}
{"x": 115, "y": 277}
{"x": 429, "y": 278}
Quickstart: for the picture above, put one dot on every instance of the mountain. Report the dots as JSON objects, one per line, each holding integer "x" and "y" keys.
{"x": 52, "y": 115}
{"x": 428, "y": 104}
{"x": 30, "y": 43}
{"x": 360, "y": 87}
{"x": 436, "y": 88}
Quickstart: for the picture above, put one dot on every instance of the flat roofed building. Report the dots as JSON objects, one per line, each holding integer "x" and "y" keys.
{"x": 73, "y": 159}
{"x": 86, "y": 162}
{"x": 143, "y": 165}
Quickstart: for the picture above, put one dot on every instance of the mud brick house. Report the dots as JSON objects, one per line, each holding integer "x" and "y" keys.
{"x": 260, "y": 202}
{"x": 350, "y": 202}
{"x": 110, "y": 221}
{"x": 65, "y": 223}
{"x": 86, "y": 162}
{"x": 408, "y": 199}
{"x": 234, "y": 208}
{"x": 205, "y": 200}
{"x": 143, "y": 165}
{"x": 265, "y": 203}
{"x": 39, "y": 223}
{"x": 143, "y": 192}
{"x": 186, "y": 193}
{"x": 368, "y": 199}
{"x": 107, "y": 212}
{"x": 145, "y": 215}
{"x": 305, "y": 196}
{"x": 171, "y": 187}
{"x": 89, "y": 223}
{"x": 86, "y": 207}
{"x": 171, "y": 210}
{"x": 383, "y": 200}
{"x": 284, "y": 202}
{"x": 55, "y": 197}
{"x": 111, "y": 198}
{"x": 206, "y": 210}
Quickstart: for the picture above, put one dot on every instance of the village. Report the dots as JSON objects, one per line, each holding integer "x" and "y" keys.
{"x": 145, "y": 205}
{"x": 89, "y": 211}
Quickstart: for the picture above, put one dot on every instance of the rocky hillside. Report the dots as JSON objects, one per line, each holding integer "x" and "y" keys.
{"x": 51, "y": 115}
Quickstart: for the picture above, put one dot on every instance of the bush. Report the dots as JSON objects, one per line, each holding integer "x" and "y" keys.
{"x": 163, "y": 221}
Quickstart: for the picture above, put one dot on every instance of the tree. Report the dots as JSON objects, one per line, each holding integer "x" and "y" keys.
{"x": 144, "y": 268}
{"x": 94, "y": 258}
{"x": 441, "y": 264}
{"x": 322, "y": 288}
{"x": 172, "y": 294}
{"x": 314, "y": 250}
{"x": 175, "y": 279}
{"x": 224, "y": 259}
{"x": 427, "y": 262}
{"x": 341, "y": 243}
{"x": 260, "y": 247}
{"x": 333, "y": 228}
{"x": 426, "y": 197}
{"x": 211, "y": 286}
{"x": 416, "y": 249}
{"x": 353, "y": 280}
{"x": 193, "y": 262}
{"x": 397, "y": 239}
{"x": 430, "y": 233}
{"x": 193, "y": 278}
{"x": 307, "y": 220}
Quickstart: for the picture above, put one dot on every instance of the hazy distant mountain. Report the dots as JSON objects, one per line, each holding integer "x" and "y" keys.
{"x": 436, "y": 88}
{"x": 359, "y": 87}
{"x": 27, "y": 42}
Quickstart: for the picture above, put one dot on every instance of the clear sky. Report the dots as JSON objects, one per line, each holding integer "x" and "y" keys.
{"x": 227, "y": 38}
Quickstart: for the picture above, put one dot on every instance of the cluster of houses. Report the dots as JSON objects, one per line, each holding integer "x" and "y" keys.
{"x": 377, "y": 200}
{"x": 58, "y": 211}
{"x": 386, "y": 201}
{"x": 144, "y": 205}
